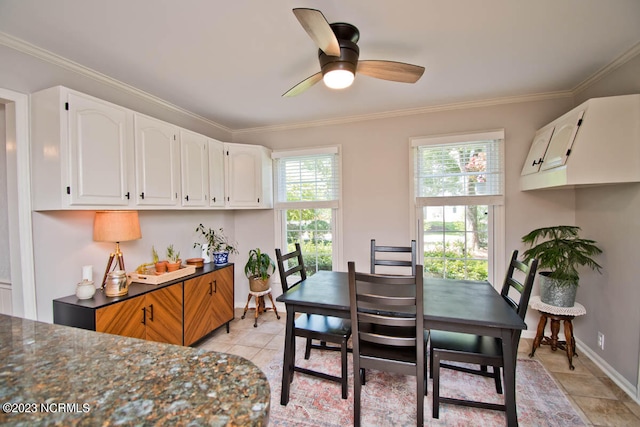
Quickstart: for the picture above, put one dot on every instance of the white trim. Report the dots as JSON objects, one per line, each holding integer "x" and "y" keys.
{"x": 457, "y": 137}
{"x": 324, "y": 204}
{"x": 20, "y": 103}
{"x": 278, "y": 154}
{"x": 460, "y": 200}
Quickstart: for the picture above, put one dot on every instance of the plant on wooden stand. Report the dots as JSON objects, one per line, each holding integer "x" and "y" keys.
{"x": 258, "y": 270}
{"x": 561, "y": 251}
{"x": 218, "y": 243}
{"x": 174, "y": 259}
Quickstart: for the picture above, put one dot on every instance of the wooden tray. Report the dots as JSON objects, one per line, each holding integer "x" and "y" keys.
{"x": 152, "y": 278}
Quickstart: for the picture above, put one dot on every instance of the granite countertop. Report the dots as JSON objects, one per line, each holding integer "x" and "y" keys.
{"x": 58, "y": 375}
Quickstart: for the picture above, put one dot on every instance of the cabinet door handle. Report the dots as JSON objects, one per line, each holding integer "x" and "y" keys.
{"x": 215, "y": 286}
{"x": 142, "y": 195}
{"x": 126, "y": 195}
{"x": 151, "y": 310}
{"x": 210, "y": 288}
{"x": 186, "y": 197}
{"x": 214, "y": 200}
{"x": 144, "y": 315}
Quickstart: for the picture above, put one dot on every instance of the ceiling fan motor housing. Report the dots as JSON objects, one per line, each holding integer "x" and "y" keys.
{"x": 348, "y": 59}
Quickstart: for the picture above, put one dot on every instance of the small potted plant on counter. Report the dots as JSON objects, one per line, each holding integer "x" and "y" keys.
{"x": 216, "y": 242}
{"x": 173, "y": 257}
{"x": 161, "y": 266}
{"x": 258, "y": 270}
{"x": 560, "y": 250}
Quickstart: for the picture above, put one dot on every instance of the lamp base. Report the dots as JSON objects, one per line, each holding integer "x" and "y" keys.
{"x": 112, "y": 257}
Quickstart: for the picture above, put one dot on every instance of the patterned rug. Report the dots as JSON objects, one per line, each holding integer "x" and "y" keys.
{"x": 389, "y": 399}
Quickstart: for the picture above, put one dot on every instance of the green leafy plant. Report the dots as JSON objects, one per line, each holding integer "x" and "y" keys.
{"x": 216, "y": 239}
{"x": 562, "y": 251}
{"x": 259, "y": 264}
{"x": 172, "y": 255}
{"x": 154, "y": 253}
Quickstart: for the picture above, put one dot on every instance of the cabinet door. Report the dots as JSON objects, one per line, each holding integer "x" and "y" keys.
{"x": 198, "y": 294}
{"x": 195, "y": 168}
{"x": 222, "y": 307}
{"x": 99, "y": 143}
{"x": 244, "y": 175}
{"x": 537, "y": 150}
{"x": 124, "y": 318}
{"x": 164, "y": 315}
{"x": 156, "y": 162}
{"x": 216, "y": 173}
{"x": 562, "y": 140}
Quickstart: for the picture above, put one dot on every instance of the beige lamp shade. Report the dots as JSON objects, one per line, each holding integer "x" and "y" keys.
{"x": 116, "y": 226}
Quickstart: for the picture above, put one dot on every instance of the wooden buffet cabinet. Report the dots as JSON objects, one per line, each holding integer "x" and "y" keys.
{"x": 181, "y": 311}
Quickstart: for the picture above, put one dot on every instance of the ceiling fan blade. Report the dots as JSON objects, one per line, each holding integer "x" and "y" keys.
{"x": 304, "y": 85}
{"x": 316, "y": 25}
{"x": 391, "y": 70}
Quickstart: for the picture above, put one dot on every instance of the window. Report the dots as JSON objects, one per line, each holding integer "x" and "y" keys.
{"x": 308, "y": 192}
{"x": 459, "y": 195}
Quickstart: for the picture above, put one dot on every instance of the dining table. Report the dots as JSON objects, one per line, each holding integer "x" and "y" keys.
{"x": 467, "y": 306}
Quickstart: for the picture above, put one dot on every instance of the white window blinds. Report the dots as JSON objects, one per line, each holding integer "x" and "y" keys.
{"x": 471, "y": 167}
{"x": 303, "y": 179}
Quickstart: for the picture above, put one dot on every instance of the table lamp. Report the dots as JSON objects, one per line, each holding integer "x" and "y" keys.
{"x": 116, "y": 227}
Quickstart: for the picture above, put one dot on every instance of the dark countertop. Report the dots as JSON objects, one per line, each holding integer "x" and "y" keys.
{"x": 70, "y": 376}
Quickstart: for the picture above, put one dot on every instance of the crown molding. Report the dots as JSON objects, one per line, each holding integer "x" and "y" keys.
{"x": 411, "y": 111}
{"x": 60, "y": 61}
{"x": 609, "y": 68}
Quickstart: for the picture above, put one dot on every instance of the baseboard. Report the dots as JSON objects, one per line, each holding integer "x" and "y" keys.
{"x": 620, "y": 381}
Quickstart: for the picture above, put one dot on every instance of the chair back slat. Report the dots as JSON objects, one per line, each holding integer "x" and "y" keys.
{"x": 376, "y": 259}
{"x": 285, "y": 271}
{"x": 520, "y": 287}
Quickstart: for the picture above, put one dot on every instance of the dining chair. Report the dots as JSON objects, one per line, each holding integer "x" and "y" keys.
{"x": 380, "y": 256}
{"x": 387, "y": 333}
{"x": 481, "y": 350}
{"x": 326, "y": 329}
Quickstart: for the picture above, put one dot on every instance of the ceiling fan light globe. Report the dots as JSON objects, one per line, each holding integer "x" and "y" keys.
{"x": 338, "y": 79}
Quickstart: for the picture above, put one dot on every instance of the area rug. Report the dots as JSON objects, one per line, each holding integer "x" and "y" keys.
{"x": 389, "y": 399}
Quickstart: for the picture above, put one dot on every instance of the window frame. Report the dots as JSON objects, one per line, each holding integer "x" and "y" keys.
{"x": 495, "y": 203}
{"x": 280, "y": 208}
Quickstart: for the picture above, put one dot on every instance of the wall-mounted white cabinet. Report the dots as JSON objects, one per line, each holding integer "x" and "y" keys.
{"x": 216, "y": 174}
{"x": 82, "y": 151}
{"x": 194, "y": 157}
{"x": 91, "y": 154}
{"x": 157, "y": 162}
{"x": 248, "y": 176}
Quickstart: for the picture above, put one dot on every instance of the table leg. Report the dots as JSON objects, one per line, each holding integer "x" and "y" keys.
{"x": 555, "y": 328}
{"x": 570, "y": 342}
{"x": 539, "y": 334}
{"x": 509, "y": 361}
{"x": 287, "y": 364}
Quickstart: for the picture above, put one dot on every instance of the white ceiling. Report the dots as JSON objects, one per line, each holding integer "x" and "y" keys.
{"x": 230, "y": 61}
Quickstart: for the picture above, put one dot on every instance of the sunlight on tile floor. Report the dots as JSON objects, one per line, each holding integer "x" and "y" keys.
{"x": 596, "y": 397}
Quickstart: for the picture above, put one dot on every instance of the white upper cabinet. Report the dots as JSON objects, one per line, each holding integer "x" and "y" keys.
{"x": 157, "y": 162}
{"x": 563, "y": 136}
{"x": 538, "y": 150}
{"x": 248, "y": 172}
{"x": 82, "y": 151}
{"x": 216, "y": 174}
{"x": 194, "y": 168}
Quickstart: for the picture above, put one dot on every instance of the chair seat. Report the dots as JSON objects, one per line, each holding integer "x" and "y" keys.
{"x": 314, "y": 325}
{"x": 466, "y": 343}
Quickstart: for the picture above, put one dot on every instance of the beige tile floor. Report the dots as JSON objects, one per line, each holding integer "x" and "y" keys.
{"x": 598, "y": 399}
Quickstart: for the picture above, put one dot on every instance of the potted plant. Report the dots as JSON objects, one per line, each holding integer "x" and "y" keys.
{"x": 258, "y": 270}
{"x": 161, "y": 266}
{"x": 173, "y": 257}
{"x": 217, "y": 242}
{"x": 560, "y": 250}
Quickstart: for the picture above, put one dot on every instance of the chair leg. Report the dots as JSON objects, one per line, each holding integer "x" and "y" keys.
{"x": 307, "y": 350}
{"x": 496, "y": 377}
{"x": 357, "y": 388}
{"x": 435, "y": 367}
{"x": 345, "y": 378}
{"x": 431, "y": 362}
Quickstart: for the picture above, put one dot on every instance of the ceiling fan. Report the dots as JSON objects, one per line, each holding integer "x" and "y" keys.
{"x": 338, "y": 54}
